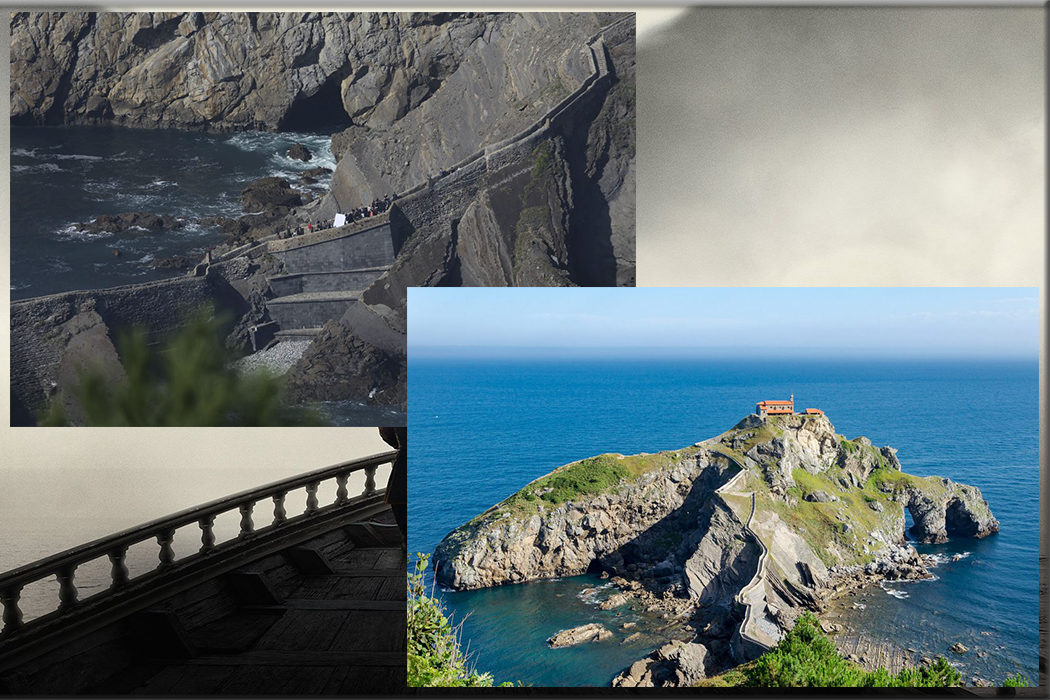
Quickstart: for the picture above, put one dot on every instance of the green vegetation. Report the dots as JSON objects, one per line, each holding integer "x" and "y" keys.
{"x": 434, "y": 655}
{"x": 1016, "y": 681}
{"x": 188, "y": 383}
{"x": 805, "y": 658}
{"x": 587, "y": 477}
{"x": 541, "y": 160}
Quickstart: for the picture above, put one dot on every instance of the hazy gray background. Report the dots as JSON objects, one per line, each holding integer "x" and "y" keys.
{"x": 842, "y": 146}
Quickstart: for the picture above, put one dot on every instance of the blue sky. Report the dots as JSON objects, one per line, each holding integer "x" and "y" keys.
{"x": 948, "y": 322}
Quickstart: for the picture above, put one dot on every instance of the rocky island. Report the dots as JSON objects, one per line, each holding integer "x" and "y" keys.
{"x": 488, "y": 149}
{"x": 732, "y": 538}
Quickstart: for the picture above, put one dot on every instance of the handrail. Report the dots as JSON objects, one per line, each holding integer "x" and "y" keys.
{"x": 64, "y": 564}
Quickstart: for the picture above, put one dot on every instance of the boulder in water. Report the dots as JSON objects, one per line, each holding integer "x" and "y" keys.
{"x": 300, "y": 152}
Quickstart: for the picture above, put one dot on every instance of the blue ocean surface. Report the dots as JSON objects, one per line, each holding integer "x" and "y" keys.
{"x": 64, "y": 176}
{"x": 481, "y": 429}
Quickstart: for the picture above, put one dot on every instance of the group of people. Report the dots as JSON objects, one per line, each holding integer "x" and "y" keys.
{"x": 378, "y": 206}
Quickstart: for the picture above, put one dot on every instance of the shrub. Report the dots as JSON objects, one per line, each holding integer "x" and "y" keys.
{"x": 434, "y": 655}
{"x": 807, "y": 658}
{"x": 1016, "y": 681}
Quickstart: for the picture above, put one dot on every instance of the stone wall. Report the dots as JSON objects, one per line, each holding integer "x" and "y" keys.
{"x": 364, "y": 248}
{"x": 44, "y": 328}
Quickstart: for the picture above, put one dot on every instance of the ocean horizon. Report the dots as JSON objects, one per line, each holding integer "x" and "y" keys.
{"x": 483, "y": 428}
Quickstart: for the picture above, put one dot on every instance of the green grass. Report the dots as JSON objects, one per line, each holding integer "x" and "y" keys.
{"x": 587, "y": 477}
{"x": 806, "y": 658}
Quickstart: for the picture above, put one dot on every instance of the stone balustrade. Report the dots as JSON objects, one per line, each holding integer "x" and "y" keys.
{"x": 247, "y": 504}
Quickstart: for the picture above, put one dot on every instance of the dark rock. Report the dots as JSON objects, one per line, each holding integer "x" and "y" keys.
{"x": 229, "y": 227}
{"x": 270, "y": 194}
{"x": 300, "y": 152}
{"x": 131, "y": 222}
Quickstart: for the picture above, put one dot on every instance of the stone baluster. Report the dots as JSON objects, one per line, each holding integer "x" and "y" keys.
{"x": 207, "y": 524}
{"x": 280, "y": 515}
{"x": 341, "y": 493}
{"x": 311, "y": 497}
{"x": 247, "y": 526}
{"x": 67, "y": 590}
{"x": 12, "y": 613}
{"x": 370, "y": 480}
{"x": 167, "y": 554}
{"x": 118, "y": 571}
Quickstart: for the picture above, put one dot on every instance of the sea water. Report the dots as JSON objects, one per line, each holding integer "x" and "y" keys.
{"x": 481, "y": 429}
{"x": 65, "y": 176}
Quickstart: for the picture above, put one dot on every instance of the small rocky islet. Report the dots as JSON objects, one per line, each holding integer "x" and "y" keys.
{"x": 732, "y": 538}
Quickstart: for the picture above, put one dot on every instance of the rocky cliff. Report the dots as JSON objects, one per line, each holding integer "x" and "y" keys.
{"x": 509, "y": 138}
{"x": 738, "y": 533}
{"x": 409, "y": 96}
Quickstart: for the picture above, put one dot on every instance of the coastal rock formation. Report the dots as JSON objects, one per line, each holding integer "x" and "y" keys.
{"x": 676, "y": 663}
{"x": 592, "y": 632}
{"x": 418, "y": 96}
{"x": 745, "y": 530}
{"x": 130, "y": 222}
{"x": 508, "y": 138}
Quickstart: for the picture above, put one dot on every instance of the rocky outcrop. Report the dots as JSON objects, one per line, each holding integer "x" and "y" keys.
{"x": 592, "y": 632}
{"x": 360, "y": 355}
{"x": 738, "y": 533}
{"x": 142, "y": 222}
{"x": 947, "y": 509}
{"x": 530, "y": 537}
{"x": 676, "y": 663}
{"x": 509, "y": 138}
{"x": 270, "y": 194}
{"x": 300, "y": 152}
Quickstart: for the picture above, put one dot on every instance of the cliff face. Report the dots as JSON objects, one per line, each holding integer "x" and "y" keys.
{"x": 745, "y": 530}
{"x": 271, "y": 70}
{"x": 509, "y": 137}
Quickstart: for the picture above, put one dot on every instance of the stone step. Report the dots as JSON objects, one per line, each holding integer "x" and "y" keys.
{"x": 325, "y": 281}
{"x": 309, "y": 309}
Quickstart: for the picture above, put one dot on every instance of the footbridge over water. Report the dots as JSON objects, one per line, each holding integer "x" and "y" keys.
{"x": 304, "y": 602}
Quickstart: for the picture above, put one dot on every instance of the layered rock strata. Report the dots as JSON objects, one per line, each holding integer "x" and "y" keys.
{"x": 745, "y": 530}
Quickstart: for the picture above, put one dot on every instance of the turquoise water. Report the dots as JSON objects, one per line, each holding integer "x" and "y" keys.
{"x": 482, "y": 429}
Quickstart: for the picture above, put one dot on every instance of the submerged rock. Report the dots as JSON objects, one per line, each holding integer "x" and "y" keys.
{"x": 131, "y": 222}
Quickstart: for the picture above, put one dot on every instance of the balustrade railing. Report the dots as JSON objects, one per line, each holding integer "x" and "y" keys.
{"x": 63, "y": 566}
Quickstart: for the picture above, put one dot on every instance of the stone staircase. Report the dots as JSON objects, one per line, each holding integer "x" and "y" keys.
{"x": 325, "y": 273}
